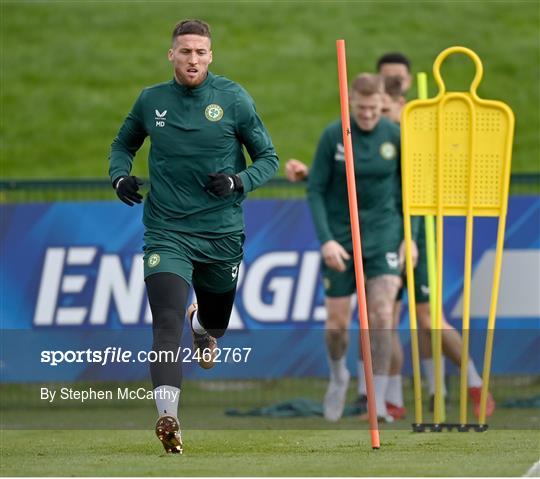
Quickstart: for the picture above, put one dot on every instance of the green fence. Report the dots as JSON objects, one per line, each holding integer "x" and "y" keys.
{"x": 98, "y": 189}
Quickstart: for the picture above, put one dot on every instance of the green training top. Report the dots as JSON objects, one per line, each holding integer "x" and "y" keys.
{"x": 377, "y": 171}
{"x": 194, "y": 132}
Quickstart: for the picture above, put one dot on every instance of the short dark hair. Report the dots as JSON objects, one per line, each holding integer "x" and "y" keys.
{"x": 191, "y": 27}
{"x": 393, "y": 57}
{"x": 368, "y": 84}
{"x": 392, "y": 87}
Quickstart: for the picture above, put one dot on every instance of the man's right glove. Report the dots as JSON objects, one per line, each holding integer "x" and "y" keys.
{"x": 127, "y": 188}
{"x": 221, "y": 184}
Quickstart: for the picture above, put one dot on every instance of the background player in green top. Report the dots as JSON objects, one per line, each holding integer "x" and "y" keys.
{"x": 376, "y": 148}
{"x": 198, "y": 124}
{"x": 296, "y": 170}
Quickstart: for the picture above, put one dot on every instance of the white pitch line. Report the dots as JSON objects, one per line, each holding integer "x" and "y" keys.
{"x": 534, "y": 471}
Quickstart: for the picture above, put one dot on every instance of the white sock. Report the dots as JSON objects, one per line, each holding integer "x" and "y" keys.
{"x": 362, "y": 390}
{"x": 394, "y": 391}
{"x": 196, "y": 325}
{"x": 427, "y": 366}
{"x": 166, "y": 398}
{"x": 380, "y": 381}
{"x": 473, "y": 378}
{"x": 429, "y": 372}
{"x": 338, "y": 369}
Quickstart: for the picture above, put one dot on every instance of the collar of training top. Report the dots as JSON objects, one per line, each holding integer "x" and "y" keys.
{"x": 194, "y": 90}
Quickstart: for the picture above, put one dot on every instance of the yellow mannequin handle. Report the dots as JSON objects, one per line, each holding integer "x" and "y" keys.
{"x": 450, "y": 51}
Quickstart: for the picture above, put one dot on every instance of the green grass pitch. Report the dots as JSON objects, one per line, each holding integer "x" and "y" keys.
{"x": 117, "y": 438}
{"x": 268, "y": 453}
{"x": 70, "y": 71}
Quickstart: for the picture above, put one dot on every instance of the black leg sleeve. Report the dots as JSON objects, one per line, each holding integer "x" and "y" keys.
{"x": 167, "y": 295}
{"x": 215, "y": 310}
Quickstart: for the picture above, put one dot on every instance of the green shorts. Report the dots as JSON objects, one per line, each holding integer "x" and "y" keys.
{"x": 338, "y": 284}
{"x": 210, "y": 264}
{"x": 421, "y": 283}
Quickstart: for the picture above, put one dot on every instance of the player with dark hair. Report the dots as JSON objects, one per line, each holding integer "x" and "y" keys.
{"x": 396, "y": 65}
{"x": 198, "y": 124}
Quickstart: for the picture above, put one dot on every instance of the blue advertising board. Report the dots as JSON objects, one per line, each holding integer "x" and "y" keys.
{"x": 71, "y": 278}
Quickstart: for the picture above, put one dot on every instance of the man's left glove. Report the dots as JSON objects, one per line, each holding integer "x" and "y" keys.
{"x": 221, "y": 184}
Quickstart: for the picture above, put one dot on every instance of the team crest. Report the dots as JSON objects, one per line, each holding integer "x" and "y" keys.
{"x": 388, "y": 150}
{"x": 153, "y": 260}
{"x": 392, "y": 260}
{"x": 327, "y": 283}
{"x": 213, "y": 112}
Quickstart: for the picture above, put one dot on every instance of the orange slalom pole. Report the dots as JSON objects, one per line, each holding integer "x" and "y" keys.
{"x": 357, "y": 244}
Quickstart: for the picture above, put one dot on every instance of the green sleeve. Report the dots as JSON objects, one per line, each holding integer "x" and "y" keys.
{"x": 319, "y": 178}
{"x": 128, "y": 140}
{"x": 255, "y": 138}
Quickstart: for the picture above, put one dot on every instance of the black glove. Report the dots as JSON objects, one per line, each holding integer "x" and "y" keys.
{"x": 126, "y": 189}
{"x": 221, "y": 184}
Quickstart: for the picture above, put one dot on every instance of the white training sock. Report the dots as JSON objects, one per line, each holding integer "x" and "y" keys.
{"x": 166, "y": 398}
{"x": 338, "y": 369}
{"x": 427, "y": 366}
{"x": 429, "y": 372}
{"x": 362, "y": 389}
{"x": 473, "y": 378}
{"x": 380, "y": 381}
{"x": 394, "y": 390}
{"x": 196, "y": 325}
